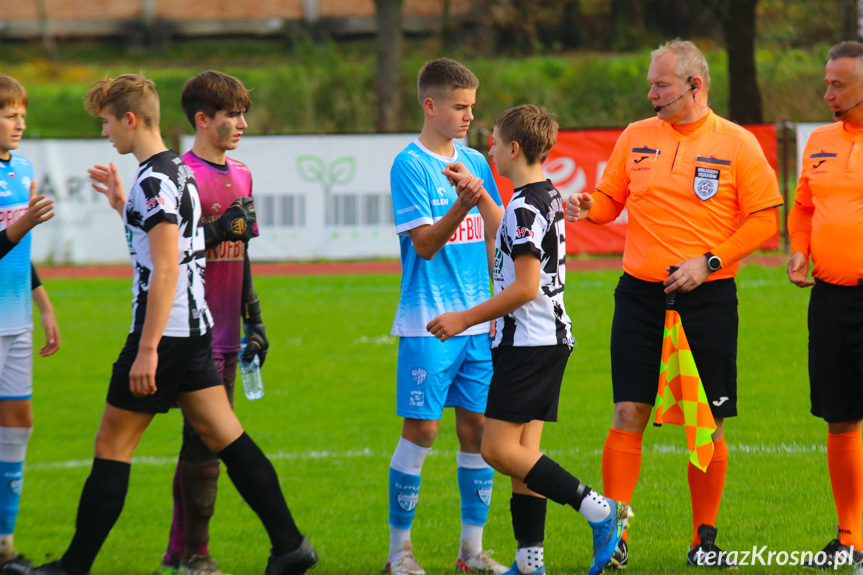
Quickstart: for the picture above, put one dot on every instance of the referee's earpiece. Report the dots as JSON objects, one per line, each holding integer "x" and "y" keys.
{"x": 691, "y": 83}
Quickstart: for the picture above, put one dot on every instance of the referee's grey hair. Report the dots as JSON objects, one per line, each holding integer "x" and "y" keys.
{"x": 690, "y": 60}
{"x": 846, "y": 50}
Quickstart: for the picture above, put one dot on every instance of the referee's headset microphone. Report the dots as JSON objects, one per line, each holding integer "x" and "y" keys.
{"x": 838, "y": 113}
{"x": 691, "y": 88}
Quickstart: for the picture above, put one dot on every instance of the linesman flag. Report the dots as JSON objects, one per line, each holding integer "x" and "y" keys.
{"x": 681, "y": 399}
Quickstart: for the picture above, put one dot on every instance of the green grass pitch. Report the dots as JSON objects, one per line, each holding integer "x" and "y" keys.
{"x": 328, "y": 423}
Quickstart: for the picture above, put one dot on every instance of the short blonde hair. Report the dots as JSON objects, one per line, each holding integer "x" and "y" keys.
{"x": 126, "y": 93}
{"x": 532, "y": 127}
{"x": 12, "y": 92}
{"x": 442, "y": 75}
{"x": 690, "y": 60}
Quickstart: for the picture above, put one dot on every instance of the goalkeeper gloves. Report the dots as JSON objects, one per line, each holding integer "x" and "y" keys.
{"x": 256, "y": 335}
{"x": 234, "y": 225}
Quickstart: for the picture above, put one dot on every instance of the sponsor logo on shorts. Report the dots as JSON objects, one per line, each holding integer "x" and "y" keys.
{"x": 419, "y": 375}
{"x": 418, "y": 398}
{"x": 719, "y": 401}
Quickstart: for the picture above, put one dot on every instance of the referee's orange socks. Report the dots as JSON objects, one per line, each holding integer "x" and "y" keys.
{"x": 705, "y": 489}
{"x": 621, "y": 464}
{"x": 845, "y": 462}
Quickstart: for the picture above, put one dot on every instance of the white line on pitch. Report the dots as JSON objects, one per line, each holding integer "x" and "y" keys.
{"x": 662, "y": 449}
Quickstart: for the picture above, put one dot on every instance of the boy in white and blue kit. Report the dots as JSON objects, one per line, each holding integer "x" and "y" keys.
{"x": 18, "y": 284}
{"x": 445, "y": 253}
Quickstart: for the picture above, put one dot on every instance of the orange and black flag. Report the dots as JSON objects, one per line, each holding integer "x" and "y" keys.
{"x": 681, "y": 399}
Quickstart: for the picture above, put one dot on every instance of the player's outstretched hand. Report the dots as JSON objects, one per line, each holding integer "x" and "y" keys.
{"x": 106, "y": 180}
{"x": 447, "y": 325}
{"x": 689, "y": 275}
{"x": 256, "y": 342}
{"x": 578, "y": 205}
{"x": 798, "y": 270}
{"x": 456, "y": 172}
{"x": 39, "y": 211}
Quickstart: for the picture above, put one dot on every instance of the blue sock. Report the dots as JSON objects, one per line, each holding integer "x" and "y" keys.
{"x": 11, "y": 480}
{"x": 475, "y": 485}
{"x": 404, "y": 494}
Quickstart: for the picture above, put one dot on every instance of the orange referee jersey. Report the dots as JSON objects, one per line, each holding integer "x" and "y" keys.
{"x": 685, "y": 195}
{"x": 827, "y": 216}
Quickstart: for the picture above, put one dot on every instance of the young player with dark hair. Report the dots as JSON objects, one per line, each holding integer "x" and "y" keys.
{"x": 445, "y": 255}
{"x": 532, "y": 344}
{"x": 20, "y": 211}
{"x": 215, "y": 105}
{"x": 167, "y": 357}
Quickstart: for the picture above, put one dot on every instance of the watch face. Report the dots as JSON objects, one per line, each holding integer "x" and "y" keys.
{"x": 714, "y": 263}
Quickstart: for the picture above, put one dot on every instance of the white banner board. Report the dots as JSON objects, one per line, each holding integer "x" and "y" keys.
{"x": 317, "y": 197}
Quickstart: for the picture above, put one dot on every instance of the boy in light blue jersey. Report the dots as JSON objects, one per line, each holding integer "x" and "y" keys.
{"x": 445, "y": 254}
{"x": 18, "y": 283}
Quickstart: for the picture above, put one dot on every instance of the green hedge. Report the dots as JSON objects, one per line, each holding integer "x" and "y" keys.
{"x": 329, "y": 90}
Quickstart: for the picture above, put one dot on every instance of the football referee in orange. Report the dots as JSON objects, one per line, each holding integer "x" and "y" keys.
{"x": 700, "y": 196}
{"x": 826, "y": 223}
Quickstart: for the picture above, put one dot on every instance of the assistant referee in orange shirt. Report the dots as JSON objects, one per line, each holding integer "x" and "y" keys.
{"x": 826, "y": 223}
{"x": 687, "y": 179}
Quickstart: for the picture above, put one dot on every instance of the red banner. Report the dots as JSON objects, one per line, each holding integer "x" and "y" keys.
{"x": 576, "y": 163}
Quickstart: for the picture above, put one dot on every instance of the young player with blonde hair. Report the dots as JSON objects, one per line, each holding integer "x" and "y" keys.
{"x": 167, "y": 357}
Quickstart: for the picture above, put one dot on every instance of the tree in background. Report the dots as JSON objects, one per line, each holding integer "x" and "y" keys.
{"x": 388, "y": 15}
{"x": 738, "y": 24}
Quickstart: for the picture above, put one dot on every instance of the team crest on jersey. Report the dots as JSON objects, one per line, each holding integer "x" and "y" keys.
{"x": 484, "y": 494}
{"x": 408, "y": 501}
{"x": 706, "y": 182}
{"x": 419, "y": 375}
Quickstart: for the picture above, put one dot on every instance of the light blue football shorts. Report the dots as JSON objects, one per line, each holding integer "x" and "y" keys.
{"x": 16, "y": 366}
{"x": 433, "y": 374}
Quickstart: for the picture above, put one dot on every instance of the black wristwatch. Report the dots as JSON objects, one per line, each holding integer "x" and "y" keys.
{"x": 714, "y": 264}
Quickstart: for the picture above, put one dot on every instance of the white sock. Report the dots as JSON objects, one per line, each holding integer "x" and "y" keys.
{"x": 529, "y": 559}
{"x": 594, "y": 507}
{"x": 400, "y": 543}
{"x": 471, "y": 540}
{"x": 409, "y": 457}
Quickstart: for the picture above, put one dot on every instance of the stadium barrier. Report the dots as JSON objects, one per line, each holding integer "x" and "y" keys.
{"x": 318, "y": 197}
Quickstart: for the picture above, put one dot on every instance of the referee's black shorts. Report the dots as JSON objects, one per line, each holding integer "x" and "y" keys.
{"x": 185, "y": 364}
{"x": 836, "y": 352}
{"x": 709, "y": 316}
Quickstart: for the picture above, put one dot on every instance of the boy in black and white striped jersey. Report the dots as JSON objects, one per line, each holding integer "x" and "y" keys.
{"x": 532, "y": 344}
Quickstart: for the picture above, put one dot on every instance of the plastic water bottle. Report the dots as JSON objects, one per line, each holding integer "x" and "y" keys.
{"x": 253, "y": 385}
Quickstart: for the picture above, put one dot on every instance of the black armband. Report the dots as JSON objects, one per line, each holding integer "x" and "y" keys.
{"x": 6, "y": 244}
{"x": 34, "y": 278}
